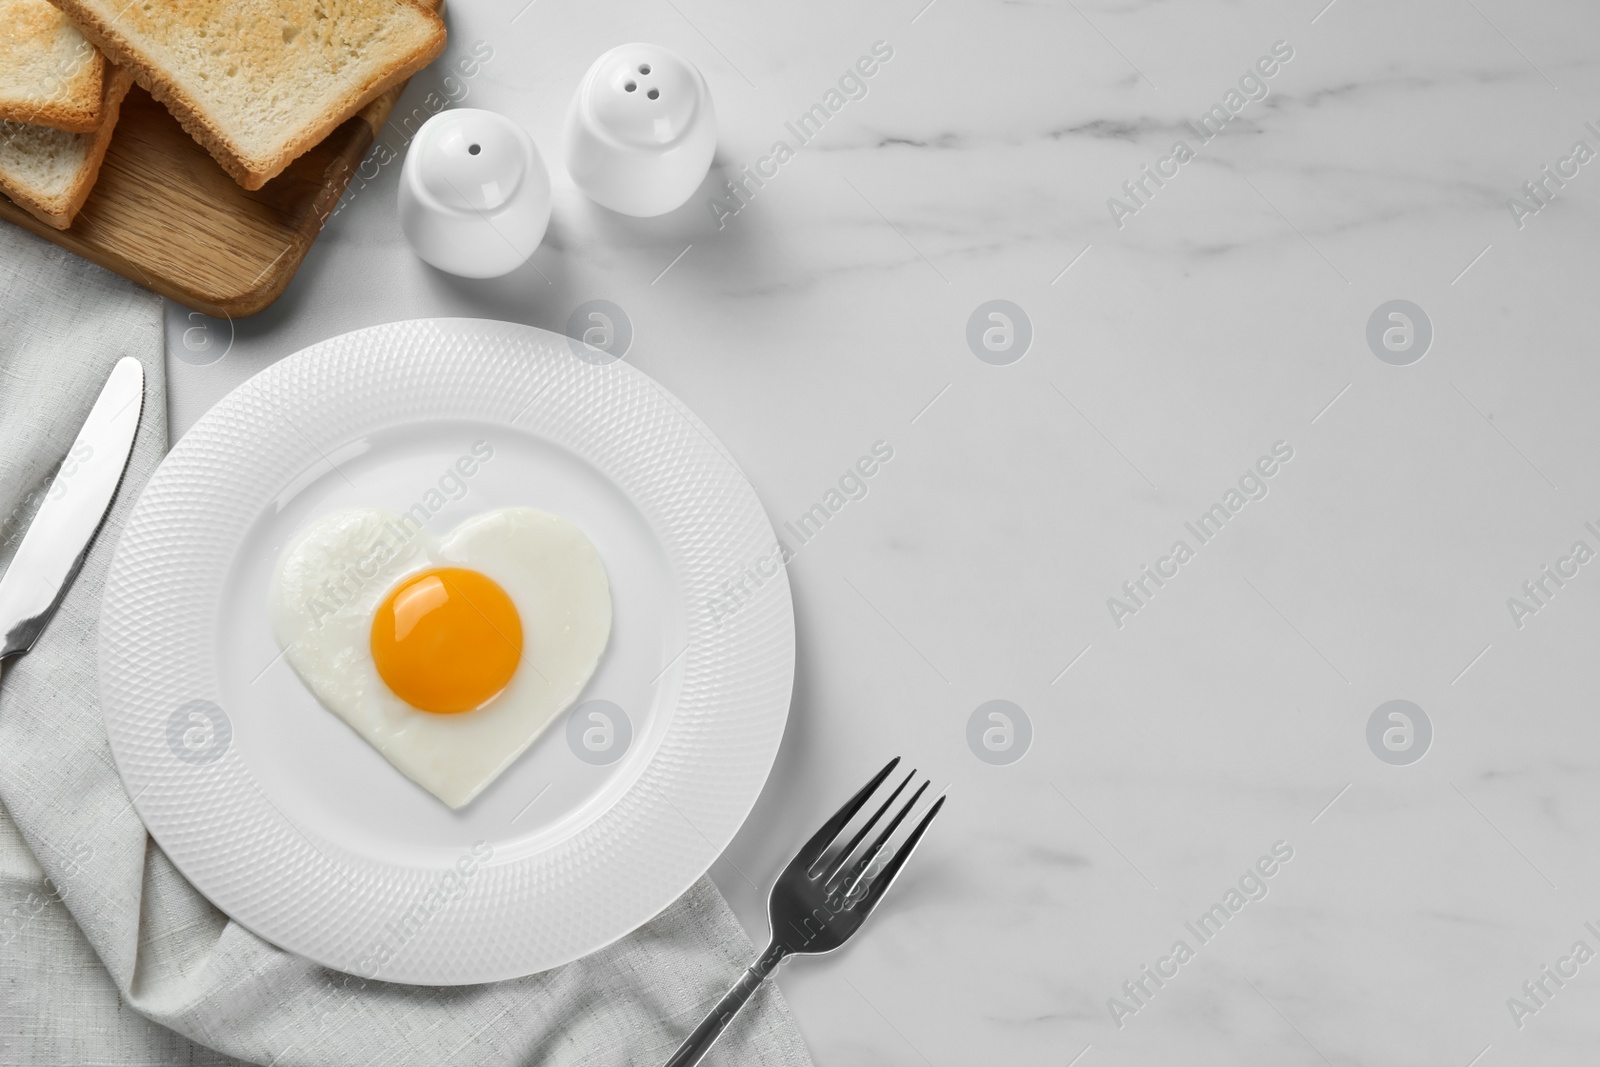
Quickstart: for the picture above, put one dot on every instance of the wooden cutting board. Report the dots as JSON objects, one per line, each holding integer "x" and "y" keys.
{"x": 164, "y": 215}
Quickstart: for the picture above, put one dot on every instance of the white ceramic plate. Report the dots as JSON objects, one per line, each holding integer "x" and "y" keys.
{"x": 297, "y": 828}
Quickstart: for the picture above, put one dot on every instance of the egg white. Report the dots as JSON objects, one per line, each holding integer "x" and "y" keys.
{"x": 331, "y": 579}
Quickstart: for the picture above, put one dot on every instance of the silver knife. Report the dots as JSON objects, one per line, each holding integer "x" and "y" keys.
{"x": 58, "y": 538}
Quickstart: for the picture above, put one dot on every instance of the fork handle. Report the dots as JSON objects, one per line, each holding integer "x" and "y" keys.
{"x": 698, "y": 1043}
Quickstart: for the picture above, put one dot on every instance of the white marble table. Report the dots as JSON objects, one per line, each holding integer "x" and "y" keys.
{"x": 1175, "y": 342}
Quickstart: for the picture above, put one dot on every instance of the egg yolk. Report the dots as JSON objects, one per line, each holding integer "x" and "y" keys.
{"x": 447, "y": 640}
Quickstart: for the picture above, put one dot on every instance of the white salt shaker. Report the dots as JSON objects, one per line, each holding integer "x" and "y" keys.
{"x": 474, "y": 194}
{"x": 641, "y": 130}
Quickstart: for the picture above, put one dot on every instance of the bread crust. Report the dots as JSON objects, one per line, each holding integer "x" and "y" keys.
{"x": 59, "y": 211}
{"x": 76, "y": 97}
{"x": 249, "y": 173}
{"x": 55, "y": 114}
{"x": 72, "y": 116}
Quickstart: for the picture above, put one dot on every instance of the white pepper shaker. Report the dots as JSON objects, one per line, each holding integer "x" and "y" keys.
{"x": 474, "y": 194}
{"x": 641, "y": 130}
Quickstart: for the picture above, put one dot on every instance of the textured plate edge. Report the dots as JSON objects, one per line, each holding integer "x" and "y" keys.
{"x": 446, "y": 974}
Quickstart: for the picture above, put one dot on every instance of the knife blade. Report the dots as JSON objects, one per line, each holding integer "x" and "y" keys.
{"x": 58, "y": 539}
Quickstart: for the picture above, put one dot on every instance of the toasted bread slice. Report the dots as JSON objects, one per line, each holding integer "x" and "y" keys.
{"x": 49, "y": 75}
{"x": 258, "y": 82}
{"x": 50, "y": 172}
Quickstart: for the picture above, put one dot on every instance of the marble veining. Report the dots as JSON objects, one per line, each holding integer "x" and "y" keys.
{"x": 1169, "y": 348}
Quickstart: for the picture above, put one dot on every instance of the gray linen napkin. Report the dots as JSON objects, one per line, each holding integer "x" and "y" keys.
{"x": 95, "y": 921}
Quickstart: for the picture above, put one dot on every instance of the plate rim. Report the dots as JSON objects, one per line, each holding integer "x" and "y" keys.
{"x": 557, "y": 356}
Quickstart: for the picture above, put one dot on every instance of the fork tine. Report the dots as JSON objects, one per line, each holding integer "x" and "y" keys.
{"x": 813, "y": 849}
{"x": 894, "y": 824}
{"x": 844, "y": 853}
{"x": 891, "y": 870}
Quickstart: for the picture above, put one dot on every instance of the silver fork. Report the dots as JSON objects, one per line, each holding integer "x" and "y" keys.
{"x": 821, "y": 898}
